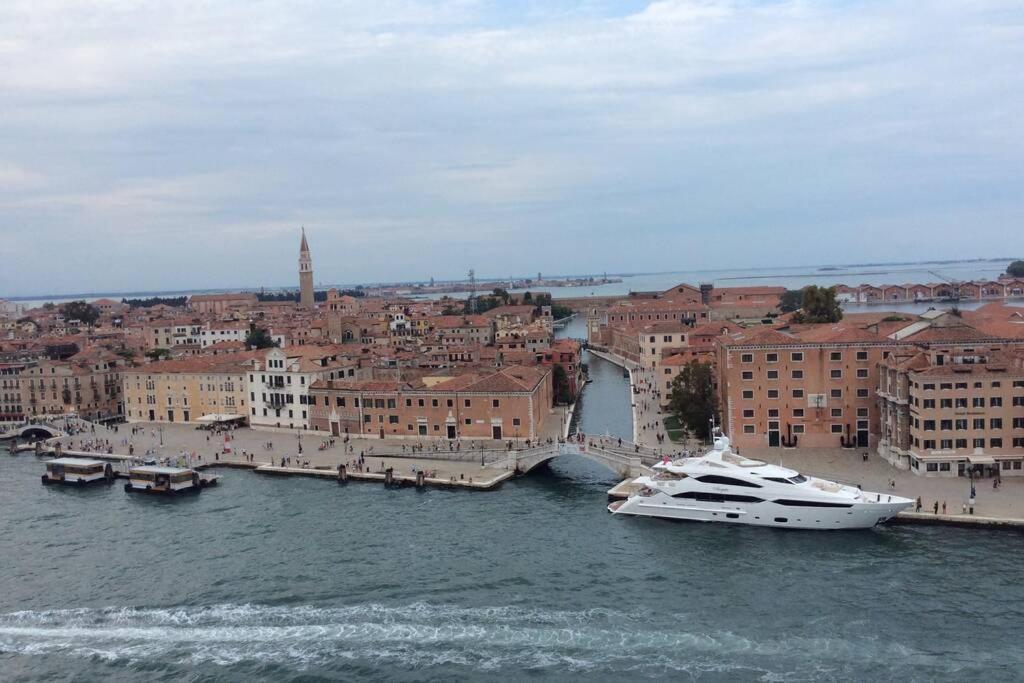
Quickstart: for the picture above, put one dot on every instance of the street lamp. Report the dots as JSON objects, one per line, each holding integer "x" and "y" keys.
{"x": 161, "y": 430}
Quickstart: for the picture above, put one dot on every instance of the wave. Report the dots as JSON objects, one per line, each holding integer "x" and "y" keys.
{"x": 422, "y": 634}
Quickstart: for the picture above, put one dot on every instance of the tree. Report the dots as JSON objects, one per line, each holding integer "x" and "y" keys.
{"x": 1015, "y": 269}
{"x": 563, "y": 392}
{"x": 49, "y": 306}
{"x": 259, "y": 338}
{"x": 79, "y": 310}
{"x": 692, "y": 398}
{"x": 819, "y": 306}
{"x": 527, "y": 298}
{"x": 791, "y": 300}
{"x": 158, "y": 354}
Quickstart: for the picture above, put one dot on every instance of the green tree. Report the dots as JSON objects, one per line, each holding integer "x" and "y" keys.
{"x": 48, "y": 306}
{"x": 1015, "y": 269}
{"x": 692, "y": 398}
{"x": 79, "y": 310}
{"x": 563, "y": 392}
{"x": 819, "y": 306}
{"x": 791, "y": 300}
{"x": 158, "y": 354}
{"x": 259, "y": 338}
{"x": 527, "y": 298}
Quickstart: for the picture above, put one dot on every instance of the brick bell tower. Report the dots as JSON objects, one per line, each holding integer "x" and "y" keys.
{"x": 305, "y": 274}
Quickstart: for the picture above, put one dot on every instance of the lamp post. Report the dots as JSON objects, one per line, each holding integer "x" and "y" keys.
{"x": 161, "y": 430}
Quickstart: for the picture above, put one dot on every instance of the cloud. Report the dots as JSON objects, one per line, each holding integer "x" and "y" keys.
{"x": 432, "y": 136}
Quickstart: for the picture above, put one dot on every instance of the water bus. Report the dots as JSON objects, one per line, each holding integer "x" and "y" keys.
{"x": 78, "y": 471}
{"x": 167, "y": 480}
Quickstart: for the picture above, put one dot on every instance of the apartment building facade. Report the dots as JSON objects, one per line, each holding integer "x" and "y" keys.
{"x": 187, "y": 389}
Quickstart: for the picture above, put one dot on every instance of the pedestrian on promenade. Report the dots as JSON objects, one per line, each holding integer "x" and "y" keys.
{"x": 943, "y": 507}
{"x": 918, "y": 508}
{"x": 936, "y": 507}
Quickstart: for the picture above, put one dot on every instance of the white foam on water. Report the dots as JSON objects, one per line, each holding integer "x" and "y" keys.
{"x": 419, "y": 634}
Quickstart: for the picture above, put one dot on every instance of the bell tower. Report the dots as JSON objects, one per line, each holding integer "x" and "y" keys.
{"x": 305, "y": 274}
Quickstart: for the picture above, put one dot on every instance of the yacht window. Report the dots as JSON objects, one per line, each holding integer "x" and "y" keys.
{"x": 779, "y": 480}
{"x": 798, "y": 479}
{"x": 706, "y": 497}
{"x": 812, "y": 504}
{"x": 727, "y": 481}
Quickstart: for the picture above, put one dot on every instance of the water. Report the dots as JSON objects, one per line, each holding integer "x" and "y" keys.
{"x": 290, "y": 579}
{"x": 793, "y": 277}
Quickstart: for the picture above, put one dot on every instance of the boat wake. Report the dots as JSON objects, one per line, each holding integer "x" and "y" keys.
{"x": 415, "y": 636}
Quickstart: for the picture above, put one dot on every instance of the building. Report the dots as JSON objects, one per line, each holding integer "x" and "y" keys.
{"x": 305, "y": 274}
{"x": 87, "y": 384}
{"x": 185, "y": 390}
{"x": 220, "y": 304}
{"x": 954, "y": 411}
{"x": 813, "y": 386}
{"x": 510, "y": 403}
{"x": 279, "y": 382}
{"x": 11, "y": 407}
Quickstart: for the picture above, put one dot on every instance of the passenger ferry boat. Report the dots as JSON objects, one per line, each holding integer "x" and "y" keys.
{"x": 167, "y": 480}
{"x": 77, "y": 471}
{"x": 722, "y": 486}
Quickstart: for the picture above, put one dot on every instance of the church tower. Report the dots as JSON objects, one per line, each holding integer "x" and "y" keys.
{"x": 305, "y": 274}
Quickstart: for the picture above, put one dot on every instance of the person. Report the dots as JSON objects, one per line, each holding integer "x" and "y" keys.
{"x": 935, "y": 508}
{"x": 918, "y": 507}
{"x": 943, "y": 507}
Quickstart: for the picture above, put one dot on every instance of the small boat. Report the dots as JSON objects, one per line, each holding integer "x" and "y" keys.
{"x": 78, "y": 471}
{"x": 167, "y": 480}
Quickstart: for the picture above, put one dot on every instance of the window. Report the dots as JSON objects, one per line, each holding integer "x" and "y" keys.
{"x": 979, "y": 443}
{"x": 748, "y": 413}
{"x": 946, "y": 386}
{"x": 995, "y": 443}
{"x": 773, "y": 393}
{"x": 961, "y": 443}
{"x": 798, "y": 412}
{"x": 747, "y": 358}
{"x": 726, "y": 481}
{"x": 392, "y": 419}
{"x": 835, "y": 374}
{"x": 773, "y": 412}
{"x": 862, "y": 393}
{"x": 748, "y": 429}
{"x": 748, "y": 375}
{"x": 408, "y": 403}
{"x": 946, "y": 425}
{"x": 516, "y": 422}
{"x": 961, "y": 425}
{"x": 929, "y": 425}
{"x": 928, "y": 387}
{"x": 862, "y": 355}
{"x": 862, "y": 373}
{"x": 862, "y": 412}
{"x": 996, "y": 402}
{"x": 995, "y": 423}
{"x": 978, "y": 402}
{"x": 797, "y": 356}
{"x": 773, "y": 374}
{"x": 798, "y": 393}
{"x": 467, "y": 403}
{"x": 495, "y": 403}
{"x": 961, "y": 403}
{"x": 837, "y": 412}
{"x": 798, "y": 429}
{"x": 798, "y": 374}
{"x": 836, "y": 393}
{"x": 771, "y": 358}
{"x": 811, "y": 504}
{"x": 978, "y": 423}
{"x": 835, "y": 356}
{"x": 748, "y": 393}
{"x": 836, "y": 429}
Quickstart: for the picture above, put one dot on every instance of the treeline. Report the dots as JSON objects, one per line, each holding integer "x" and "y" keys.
{"x": 318, "y": 295}
{"x": 500, "y": 297}
{"x": 178, "y": 301}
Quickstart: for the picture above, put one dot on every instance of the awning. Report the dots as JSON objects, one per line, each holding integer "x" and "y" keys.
{"x": 218, "y": 417}
{"x": 981, "y": 460}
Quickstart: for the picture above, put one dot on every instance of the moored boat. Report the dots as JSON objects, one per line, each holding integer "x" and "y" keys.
{"x": 78, "y": 471}
{"x": 723, "y": 486}
{"x": 167, "y": 480}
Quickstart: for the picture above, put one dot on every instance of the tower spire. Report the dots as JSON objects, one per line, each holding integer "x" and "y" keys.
{"x": 305, "y": 273}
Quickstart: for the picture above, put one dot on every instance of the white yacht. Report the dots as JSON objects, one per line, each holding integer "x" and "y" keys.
{"x": 722, "y": 486}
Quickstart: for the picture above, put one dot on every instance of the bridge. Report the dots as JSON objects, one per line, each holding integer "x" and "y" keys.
{"x": 33, "y": 430}
{"x": 626, "y": 460}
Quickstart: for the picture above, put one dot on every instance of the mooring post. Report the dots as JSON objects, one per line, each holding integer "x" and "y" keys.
{"x": 420, "y": 479}
{"x": 342, "y": 474}
{"x": 389, "y": 476}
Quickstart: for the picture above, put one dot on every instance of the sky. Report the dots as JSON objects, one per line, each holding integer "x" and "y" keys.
{"x": 178, "y": 145}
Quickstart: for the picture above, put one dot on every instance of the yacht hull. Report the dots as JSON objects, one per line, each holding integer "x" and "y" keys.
{"x": 860, "y": 515}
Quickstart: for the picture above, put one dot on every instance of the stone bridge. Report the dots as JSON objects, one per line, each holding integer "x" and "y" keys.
{"x": 623, "y": 461}
{"x": 39, "y": 430}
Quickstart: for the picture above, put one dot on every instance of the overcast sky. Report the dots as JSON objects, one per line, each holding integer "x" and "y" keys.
{"x": 172, "y": 145}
